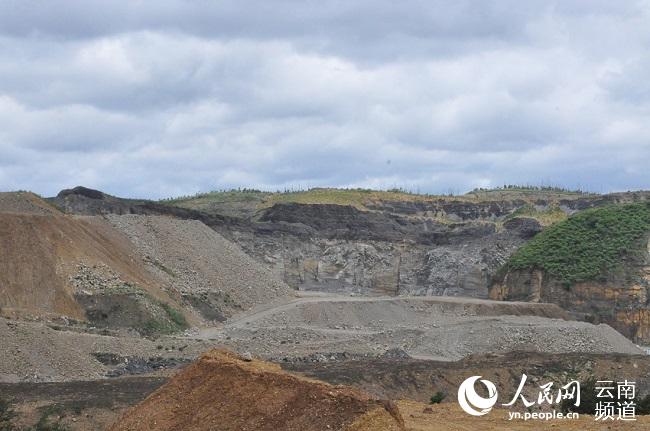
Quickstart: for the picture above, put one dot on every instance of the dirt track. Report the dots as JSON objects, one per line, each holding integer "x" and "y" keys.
{"x": 440, "y": 328}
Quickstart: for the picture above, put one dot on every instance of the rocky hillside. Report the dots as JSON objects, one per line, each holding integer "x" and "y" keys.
{"x": 369, "y": 242}
{"x": 55, "y": 264}
{"x": 373, "y": 242}
{"x": 153, "y": 275}
{"x": 211, "y": 274}
{"x": 596, "y": 264}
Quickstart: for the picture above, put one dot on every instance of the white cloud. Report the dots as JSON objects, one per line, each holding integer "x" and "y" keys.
{"x": 154, "y": 99}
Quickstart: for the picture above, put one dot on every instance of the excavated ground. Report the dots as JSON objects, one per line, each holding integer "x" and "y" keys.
{"x": 326, "y": 328}
{"x": 414, "y": 379}
{"x": 40, "y": 352}
{"x": 392, "y": 347}
{"x": 309, "y": 330}
{"x": 449, "y": 417}
{"x": 94, "y": 405}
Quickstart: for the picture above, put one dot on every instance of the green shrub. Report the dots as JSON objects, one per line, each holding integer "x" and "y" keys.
{"x": 174, "y": 322}
{"x": 595, "y": 244}
{"x": 175, "y": 316}
{"x": 437, "y": 397}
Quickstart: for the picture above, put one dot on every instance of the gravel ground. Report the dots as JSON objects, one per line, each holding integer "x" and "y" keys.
{"x": 198, "y": 261}
{"x": 440, "y": 329}
{"x": 313, "y": 329}
{"x": 33, "y": 351}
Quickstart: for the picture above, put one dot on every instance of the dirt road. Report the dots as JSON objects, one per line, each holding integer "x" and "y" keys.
{"x": 437, "y": 328}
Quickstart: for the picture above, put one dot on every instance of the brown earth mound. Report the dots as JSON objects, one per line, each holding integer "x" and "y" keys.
{"x": 42, "y": 252}
{"x": 222, "y": 391}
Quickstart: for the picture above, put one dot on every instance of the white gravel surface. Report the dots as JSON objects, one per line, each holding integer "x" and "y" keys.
{"x": 196, "y": 259}
{"x": 442, "y": 329}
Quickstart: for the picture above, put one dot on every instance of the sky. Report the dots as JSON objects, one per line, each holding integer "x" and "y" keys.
{"x": 172, "y": 97}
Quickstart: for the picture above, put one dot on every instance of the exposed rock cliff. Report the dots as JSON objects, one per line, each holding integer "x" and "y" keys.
{"x": 414, "y": 245}
{"x": 624, "y": 307}
{"x": 340, "y": 248}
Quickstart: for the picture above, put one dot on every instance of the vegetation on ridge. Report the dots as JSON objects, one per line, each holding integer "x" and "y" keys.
{"x": 595, "y": 244}
{"x": 546, "y": 217}
{"x": 359, "y": 197}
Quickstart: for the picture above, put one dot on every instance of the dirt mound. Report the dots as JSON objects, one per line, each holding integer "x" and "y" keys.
{"x": 162, "y": 276}
{"x": 211, "y": 273}
{"x": 46, "y": 258}
{"x": 222, "y": 391}
{"x": 24, "y": 203}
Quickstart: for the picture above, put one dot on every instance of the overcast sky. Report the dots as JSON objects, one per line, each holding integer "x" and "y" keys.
{"x": 168, "y": 97}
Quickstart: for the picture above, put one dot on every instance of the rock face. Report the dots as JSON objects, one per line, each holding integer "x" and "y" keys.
{"x": 431, "y": 246}
{"x": 435, "y": 247}
{"x": 340, "y": 248}
{"x": 222, "y": 391}
{"x": 622, "y": 304}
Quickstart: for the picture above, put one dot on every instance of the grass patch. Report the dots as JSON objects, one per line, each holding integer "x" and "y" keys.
{"x": 546, "y": 217}
{"x": 359, "y": 197}
{"x": 205, "y": 201}
{"x": 175, "y": 316}
{"x": 174, "y": 321}
{"x": 596, "y": 244}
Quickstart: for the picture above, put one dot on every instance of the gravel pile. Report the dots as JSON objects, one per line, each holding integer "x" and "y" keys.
{"x": 33, "y": 351}
{"x": 95, "y": 279}
{"x": 200, "y": 263}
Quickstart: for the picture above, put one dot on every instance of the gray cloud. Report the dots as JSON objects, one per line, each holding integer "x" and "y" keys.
{"x": 172, "y": 97}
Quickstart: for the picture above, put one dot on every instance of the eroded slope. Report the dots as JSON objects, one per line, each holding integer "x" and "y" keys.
{"x": 222, "y": 391}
